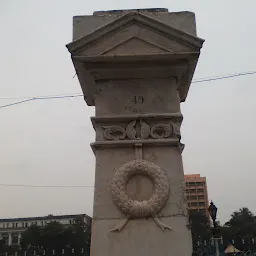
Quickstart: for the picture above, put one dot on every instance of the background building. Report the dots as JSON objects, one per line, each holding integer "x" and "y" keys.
{"x": 196, "y": 191}
{"x": 11, "y": 229}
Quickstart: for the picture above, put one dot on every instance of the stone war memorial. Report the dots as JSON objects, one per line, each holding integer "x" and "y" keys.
{"x": 135, "y": 67}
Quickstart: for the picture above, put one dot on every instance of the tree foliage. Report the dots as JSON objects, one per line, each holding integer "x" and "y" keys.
{"x": 242, "y": 222}
{"x": 56, "y": 236}
{"x": 200, "y": 228}
{"x": 241, "y": 228}
{"x": 200, "y": 225}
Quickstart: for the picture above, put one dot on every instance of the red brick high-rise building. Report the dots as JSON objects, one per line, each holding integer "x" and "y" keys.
{"x": 196, "y": 192}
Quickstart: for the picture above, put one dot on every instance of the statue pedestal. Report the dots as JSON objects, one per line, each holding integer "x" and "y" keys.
{"x": 136, "y": 67}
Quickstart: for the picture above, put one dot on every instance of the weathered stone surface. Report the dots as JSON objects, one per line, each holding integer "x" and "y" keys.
{"x": 135, "y": 67}
{"x": 86, "y": 24}
{"x": 168, "y": 158}
{"x": 161, "y": 96}
{"x": 110, "y": 52}
{"x": 141, "y": 237}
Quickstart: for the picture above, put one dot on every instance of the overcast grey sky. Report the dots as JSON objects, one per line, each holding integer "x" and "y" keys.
{"x": 47, "y": 142}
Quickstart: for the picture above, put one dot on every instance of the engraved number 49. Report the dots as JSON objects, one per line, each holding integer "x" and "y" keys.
{"x": 138, "y": 100}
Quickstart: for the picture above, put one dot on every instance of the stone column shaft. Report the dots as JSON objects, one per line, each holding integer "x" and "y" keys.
{"x": 135, "y": 67}
{"x": 9, "y": 238}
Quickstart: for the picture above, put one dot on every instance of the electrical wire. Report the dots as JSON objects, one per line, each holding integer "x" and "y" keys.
{"x": 199, "y": 80}
{"x": 41, "y": 98}
{"x": 44, "y": 186}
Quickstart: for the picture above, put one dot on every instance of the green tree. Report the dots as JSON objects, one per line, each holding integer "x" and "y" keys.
{"x": 200, "y": 229}
{"x": 2, "y": 245}
{"x": 31, "y": 238}
{"x": 242, "y": 221}
{"x": 81, "y": 235}
{"x": 241, "y": 228}
{"x": 55, "y": 236}
{"x": 200, "y": 225}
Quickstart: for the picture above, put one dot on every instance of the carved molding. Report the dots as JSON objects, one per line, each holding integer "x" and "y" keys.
{"x": 114, "y": 132}
{"x": 140, "y": 130}
{"x": 176, "y": 131}
{"x": 124, "y": 118}
{"x": 170, "y": 142}
{"x": 160, "y": 131}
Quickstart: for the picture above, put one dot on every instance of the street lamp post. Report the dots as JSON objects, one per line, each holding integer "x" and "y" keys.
{"x": 212, "y": 209}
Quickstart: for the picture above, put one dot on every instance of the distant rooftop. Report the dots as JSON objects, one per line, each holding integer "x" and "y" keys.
{"x": 49, "y": 217}
{"x": 115, "y": 12}
{"x": 193, "y": 176}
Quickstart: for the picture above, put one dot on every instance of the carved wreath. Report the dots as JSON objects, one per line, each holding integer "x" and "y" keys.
{"x": 134, "y": 208}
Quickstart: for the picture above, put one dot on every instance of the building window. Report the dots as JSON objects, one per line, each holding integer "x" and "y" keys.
{"x": 16, "y": 225}
{"x": 3, "y": 225}
{"x": 201, "y": 197}
{"x": 200, "y": 190}
{"x": 192, "y": 190}
{"x": 201, "y": 203}
{"x": 194, "y": 204}
{"x": 35, "y": 223}
{"x": 42, "y": 223}
{"x": 193, "y": 197}
{"x": 15, "y": 239}
{"x": 13, "y": 225}
{"x": 5, "y": 238}
{"x": 7, "y": 225}
{"x": 26, "y": 224}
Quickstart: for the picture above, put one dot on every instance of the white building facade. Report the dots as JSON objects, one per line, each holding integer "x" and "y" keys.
{"x": 11, "y": 229}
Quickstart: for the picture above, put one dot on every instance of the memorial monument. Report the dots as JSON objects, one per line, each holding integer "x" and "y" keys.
{"x": 135, "y": 67}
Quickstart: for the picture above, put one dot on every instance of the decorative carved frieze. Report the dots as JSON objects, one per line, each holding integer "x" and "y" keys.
{"x": 137, "y": 130}
{"x": 140, "y": 130}
{"x": 114, "y": 132}
{"x": 160, "y": 131}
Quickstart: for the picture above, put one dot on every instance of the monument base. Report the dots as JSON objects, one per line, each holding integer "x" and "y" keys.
{"x": 142, "y": 237}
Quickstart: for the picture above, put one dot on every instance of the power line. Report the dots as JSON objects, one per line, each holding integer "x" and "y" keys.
{"x": 217, "y": 76}
{"x": 199, "y": 80}
{"x": 44, "y": 186}
{"x": 196, "y": 80}
{"x": 41, "y": 98}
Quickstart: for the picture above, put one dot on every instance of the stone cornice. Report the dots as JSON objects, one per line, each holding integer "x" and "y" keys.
{"x": 179, "y": 65}
{"x": 121, "y": 118}
{"x": 135, "y": 17}
{"x": 131, "y": 143}
{"x": 159, "y": 58}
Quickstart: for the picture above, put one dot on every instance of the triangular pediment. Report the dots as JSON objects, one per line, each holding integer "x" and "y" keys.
{"x": 135, "y": 46}
{"x": 136, "y": 34}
